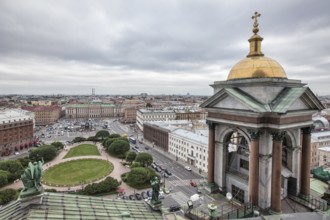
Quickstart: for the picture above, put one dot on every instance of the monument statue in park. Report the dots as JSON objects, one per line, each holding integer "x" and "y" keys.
{"x": 31, "y": 179}
{"x": 155, "y": 190}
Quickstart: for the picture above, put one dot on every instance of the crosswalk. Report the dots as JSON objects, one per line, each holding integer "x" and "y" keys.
{"x": 179, "y": 182}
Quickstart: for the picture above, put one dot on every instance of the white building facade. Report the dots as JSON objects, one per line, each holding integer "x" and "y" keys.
{"x": 189, "y": 146}
{"x": 148, "y": 115}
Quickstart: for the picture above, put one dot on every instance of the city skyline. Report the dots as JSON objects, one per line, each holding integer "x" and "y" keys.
{"x": 154, "y": 47}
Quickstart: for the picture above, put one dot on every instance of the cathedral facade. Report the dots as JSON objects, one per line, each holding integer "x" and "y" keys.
{"x": 260, "y": 131}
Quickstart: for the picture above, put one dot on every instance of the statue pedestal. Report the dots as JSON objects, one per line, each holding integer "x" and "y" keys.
{"x": 156, "y": 207}
{"x": 31, "y": 192}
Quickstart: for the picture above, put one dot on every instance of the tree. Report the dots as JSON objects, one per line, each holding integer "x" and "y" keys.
{"x": 114, "y": 135}
{"x": 7, "y": 195}
{"x": 4, "y": 177}
{"x": 118, "y": 148}
{"x": 78, "y": 139}
{"x": 107, "y": 142}
{"x": 45, "y": 152}
{"x": 138, "y": 176}
{"x": 130, "y": 157}
{"x": 58, "y": 145}
{"x": 13, "y": 167}
{"x": 24, "y": 161}
{"x": 102, "y": 134}
{"x": 144, "y": 158}
{"x": 92, "y": 138}
{"x": 107, "y": 185}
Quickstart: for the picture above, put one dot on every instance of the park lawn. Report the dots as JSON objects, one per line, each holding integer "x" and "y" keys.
{"x": 83, "y": 150}
{"x": 72, "y": 173}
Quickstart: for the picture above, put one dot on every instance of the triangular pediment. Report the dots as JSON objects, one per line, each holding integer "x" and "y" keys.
{"x": 234, "y": 99}
{"x": 232, "y": 103}
{"x": 296, "y": 99}
{"x": 289, "y": 99}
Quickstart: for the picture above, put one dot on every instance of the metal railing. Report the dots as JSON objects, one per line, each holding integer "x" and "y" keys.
{"x": 312, "y": 202}
{"x": 246, "y": 210}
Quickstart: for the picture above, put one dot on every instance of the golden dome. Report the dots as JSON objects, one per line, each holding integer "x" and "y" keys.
{"x": 257, "y": 67}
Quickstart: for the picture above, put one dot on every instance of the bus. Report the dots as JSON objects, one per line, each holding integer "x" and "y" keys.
{"x": 132, "y": 140}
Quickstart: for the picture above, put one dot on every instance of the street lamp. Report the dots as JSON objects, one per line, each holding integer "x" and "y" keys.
{"x": 164, "y": 178}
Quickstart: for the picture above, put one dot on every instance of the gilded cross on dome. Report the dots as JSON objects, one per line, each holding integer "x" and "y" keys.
{"x": 256, "y": 24}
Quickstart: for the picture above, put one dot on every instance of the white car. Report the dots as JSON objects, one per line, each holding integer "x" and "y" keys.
{"x": 187, "y": 168}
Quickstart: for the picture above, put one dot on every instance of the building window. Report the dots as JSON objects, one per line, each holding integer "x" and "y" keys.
{"x": 244, "y": 164}
{"x": 237, "y": 193}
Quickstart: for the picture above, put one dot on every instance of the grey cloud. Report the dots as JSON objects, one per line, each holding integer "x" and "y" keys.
{"x": 183, "y": 45}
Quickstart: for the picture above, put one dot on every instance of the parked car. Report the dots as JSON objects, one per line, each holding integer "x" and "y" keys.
{"x": 125, "y": 197}
{"x": 131, "y": 197}
{"x": 166, "y": 190}
{"x": 168, "y": 172}
{"x": 153, "y": 166}
{"x": 192, "y": 183}
{"x": 158, "y": 169}
{"x": 174, "y": 208}
{"x": 144, "y": 195}
{"x": 188, "y": 168}
{"x": 149, "y": 193}
{"x": 138, "y": 196}
{"x": 165, "y": 175}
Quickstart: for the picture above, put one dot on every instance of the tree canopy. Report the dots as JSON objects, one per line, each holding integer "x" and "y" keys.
{"x": 130, "y": 157}
{"x": 45, "y": 152}
{"x": 78, "y": 139}
{"x": 140, "y": 176}
{"x": 118, "y": 148}
{"x": 58, "y": 145}
{"x": 144, "y": 158}
{"x": 102, "y": 134}
{"x": 13, "y": 167}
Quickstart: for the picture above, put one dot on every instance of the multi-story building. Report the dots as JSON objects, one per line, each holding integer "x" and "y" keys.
{"x": 186, "y": 140}
{"x": 324, "y": 156}
{"x": 16, "y": 130}
{"x": 92, "y": 111}
{"x": 190, "y": 115}
{"x": 191, "y": 147}
{"x": 129, "y": 115}
{"x": 45, "y": 115}
{"x": 147, "y": 115}
{"x": 319, "y": 140}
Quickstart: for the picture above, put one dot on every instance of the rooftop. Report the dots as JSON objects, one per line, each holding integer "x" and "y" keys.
{"x": 194, "y": 136}
{"x": 57, "y": 206}
{"x": 7, "y": 115}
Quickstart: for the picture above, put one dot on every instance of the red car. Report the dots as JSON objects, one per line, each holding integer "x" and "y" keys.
{"x": 192, "y": 183}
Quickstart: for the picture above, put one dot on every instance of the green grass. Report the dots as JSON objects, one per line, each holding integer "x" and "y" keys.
{"x": 71, "y": 173}
{"x": 83, "y": 150}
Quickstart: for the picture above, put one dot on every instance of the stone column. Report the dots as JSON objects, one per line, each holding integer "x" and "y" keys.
{"x": 211, "y": 149}
{"x": 305, "y": 161}
{"x": 254, "y": 167}
{"x": 275, "y": 201}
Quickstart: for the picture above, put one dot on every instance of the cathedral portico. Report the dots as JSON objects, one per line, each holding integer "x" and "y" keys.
{"x": 258, "y": 131}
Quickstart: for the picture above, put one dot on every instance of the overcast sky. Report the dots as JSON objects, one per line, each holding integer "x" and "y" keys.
{"x": 155, "y": 46}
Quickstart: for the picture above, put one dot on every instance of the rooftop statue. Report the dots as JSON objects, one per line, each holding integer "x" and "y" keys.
{"x": 31, "y": 179}
{"x": 155, "y": 190}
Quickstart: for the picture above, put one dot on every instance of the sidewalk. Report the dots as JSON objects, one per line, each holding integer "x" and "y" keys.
{"x": 117, "y": 171}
